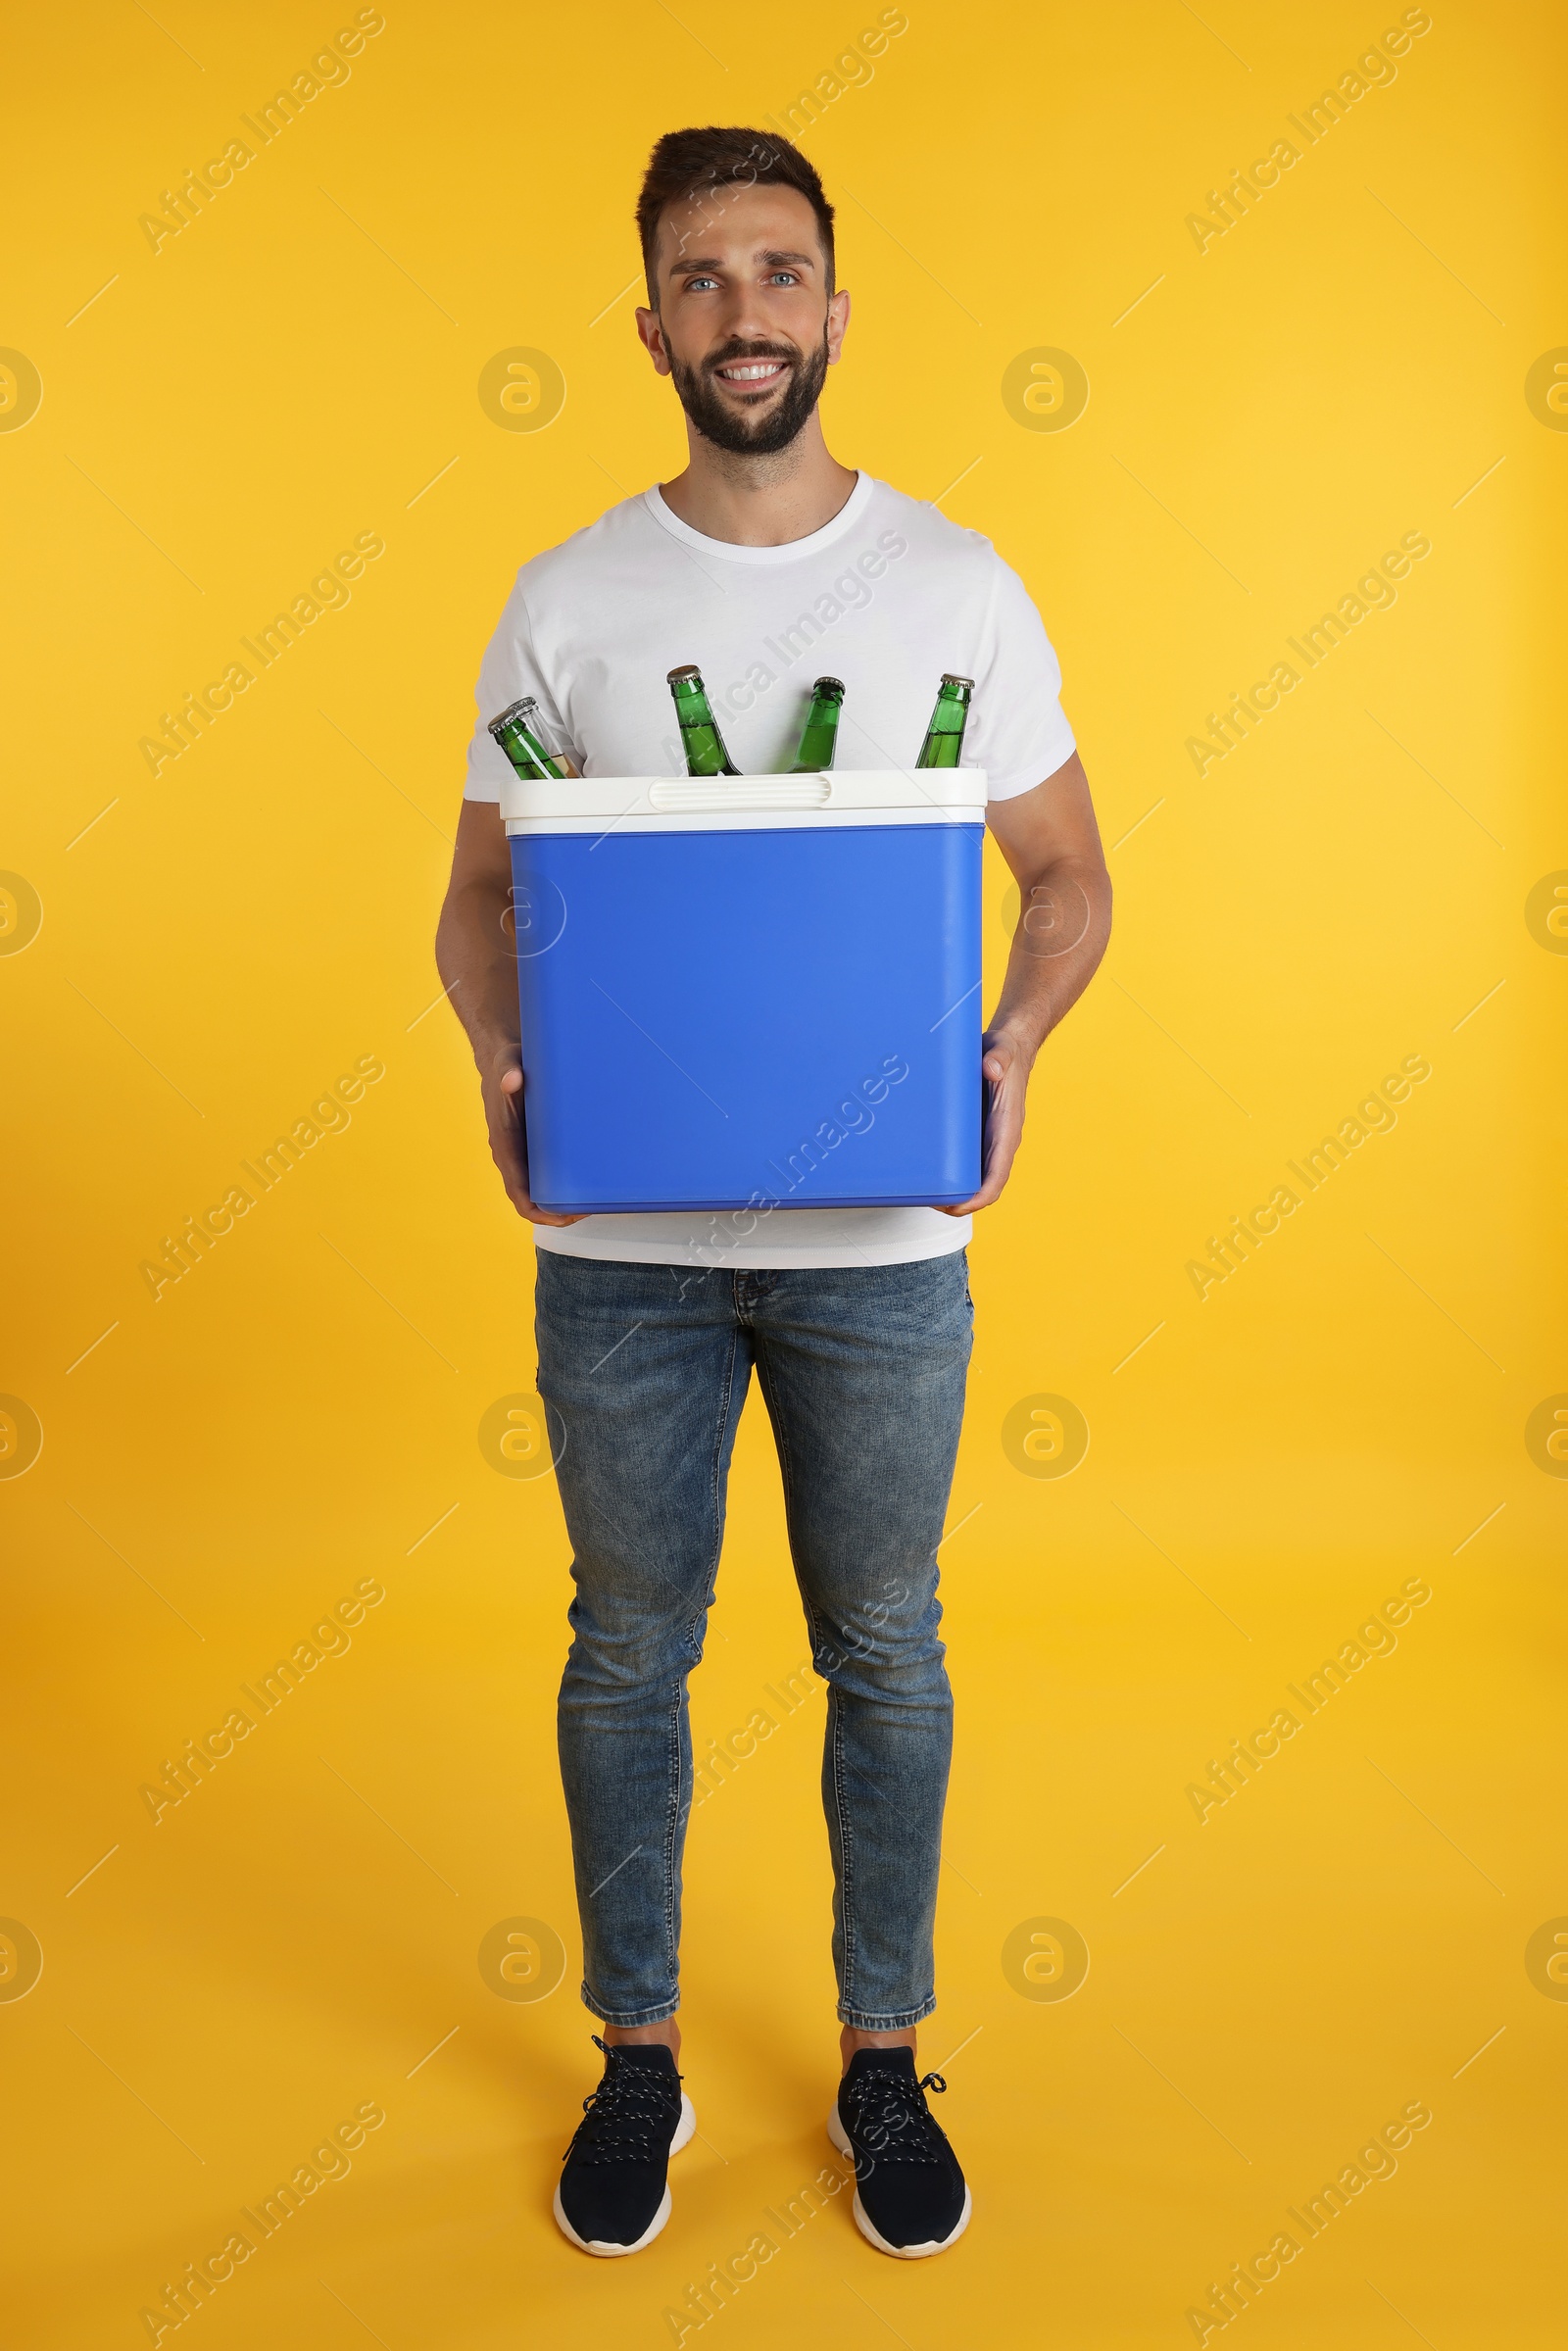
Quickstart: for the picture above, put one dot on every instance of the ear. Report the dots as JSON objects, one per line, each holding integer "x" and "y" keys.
{"x": 652, "y": 331}
{"x": 838, "y": 320}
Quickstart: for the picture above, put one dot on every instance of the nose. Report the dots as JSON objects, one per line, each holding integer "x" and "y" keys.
{"x": 744, "y": 318}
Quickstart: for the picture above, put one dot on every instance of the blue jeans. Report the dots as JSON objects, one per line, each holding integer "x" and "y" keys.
{"x": 863, "y": 1372}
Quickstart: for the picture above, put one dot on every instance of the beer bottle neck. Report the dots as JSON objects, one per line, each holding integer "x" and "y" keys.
{"x": 701, "y": 739}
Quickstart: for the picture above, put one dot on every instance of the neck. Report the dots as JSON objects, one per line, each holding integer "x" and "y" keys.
{"x": 760, "y": 501}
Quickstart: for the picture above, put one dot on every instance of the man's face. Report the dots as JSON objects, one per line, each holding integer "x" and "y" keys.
{"x": 744, "y": 324}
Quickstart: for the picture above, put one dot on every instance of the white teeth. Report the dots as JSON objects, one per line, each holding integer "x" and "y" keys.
{"x": 750, "y": 374}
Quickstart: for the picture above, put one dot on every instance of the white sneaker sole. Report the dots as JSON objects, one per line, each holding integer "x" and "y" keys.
{"x": 872, "y": 2235}
{"x": 685, "y": 2130}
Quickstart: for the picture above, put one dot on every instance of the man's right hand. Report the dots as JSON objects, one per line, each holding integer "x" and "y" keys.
{"x": 475, "y": 954}
{"x": 501, "y": 1084}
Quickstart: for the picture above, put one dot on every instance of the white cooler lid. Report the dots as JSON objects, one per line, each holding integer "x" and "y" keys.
{"x": 659, "y": 804}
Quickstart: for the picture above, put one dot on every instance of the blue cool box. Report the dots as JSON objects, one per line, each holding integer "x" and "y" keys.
{"x": 750, "y": 989}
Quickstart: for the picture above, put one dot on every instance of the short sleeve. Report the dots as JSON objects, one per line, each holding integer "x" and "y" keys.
{"x": 1018, "y": 731}
{"x": 508, "y": 672}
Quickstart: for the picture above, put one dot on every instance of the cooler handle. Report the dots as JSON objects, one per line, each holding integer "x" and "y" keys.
{"x": 712, "y": 794}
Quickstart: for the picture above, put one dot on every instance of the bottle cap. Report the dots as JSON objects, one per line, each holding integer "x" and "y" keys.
{"x": 513, "y": 713}
{"x": 678, "y": 677}
{"x": 828, "y": 685}
{"x": 951, "y": 679}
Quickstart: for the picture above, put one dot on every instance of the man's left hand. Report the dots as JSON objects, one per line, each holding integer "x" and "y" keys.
{"x": 1005, "y": 1066}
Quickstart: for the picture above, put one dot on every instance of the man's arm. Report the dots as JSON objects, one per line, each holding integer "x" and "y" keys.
{"x": 476, "y": 959}
{"x": 1052, "y": 843}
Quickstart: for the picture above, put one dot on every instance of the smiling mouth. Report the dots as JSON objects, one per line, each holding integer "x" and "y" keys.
{"x": 751, "y": 376}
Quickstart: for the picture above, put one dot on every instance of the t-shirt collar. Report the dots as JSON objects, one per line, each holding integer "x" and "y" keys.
{"x": 727, "y": 551}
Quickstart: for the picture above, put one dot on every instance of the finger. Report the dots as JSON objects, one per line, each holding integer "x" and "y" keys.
{"x": 534, "y": 1213}
{"x": 508, "y": 1150}
{"x": 516, "y": 1191}
{"x": 968, "y": 1207}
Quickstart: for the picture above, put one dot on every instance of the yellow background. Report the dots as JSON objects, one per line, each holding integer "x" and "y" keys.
{"x": 295, "y": 367}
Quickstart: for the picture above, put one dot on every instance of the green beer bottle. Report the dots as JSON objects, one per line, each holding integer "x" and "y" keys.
{"x": 700, "y": 739}
{"x": 820, "y": 731}
{"x": 518, "y": 732}
{"x": 943, "y": 737}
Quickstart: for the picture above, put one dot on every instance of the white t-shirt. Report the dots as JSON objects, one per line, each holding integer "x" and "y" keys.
{"x": 887, "y": 596}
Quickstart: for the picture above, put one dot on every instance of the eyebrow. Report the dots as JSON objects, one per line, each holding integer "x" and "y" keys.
{"x": 715, "y": 262}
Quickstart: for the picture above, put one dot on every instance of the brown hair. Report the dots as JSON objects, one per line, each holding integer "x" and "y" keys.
{"x": 685, "y": 162}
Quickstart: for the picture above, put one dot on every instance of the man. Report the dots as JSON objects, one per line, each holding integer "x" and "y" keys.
{"x": 856, "y": 1320}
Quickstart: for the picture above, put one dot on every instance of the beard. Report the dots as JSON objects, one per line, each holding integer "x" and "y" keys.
{"x": 736, "y": 432}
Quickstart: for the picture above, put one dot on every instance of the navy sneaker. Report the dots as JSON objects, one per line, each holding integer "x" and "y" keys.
{"x": 911, "y": 2196}
{"x": 613, "y": 2196}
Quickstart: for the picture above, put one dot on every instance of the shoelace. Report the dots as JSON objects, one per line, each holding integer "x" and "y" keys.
{"x": 627, "y": 2116}
{"x": 887, "y": 2114}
